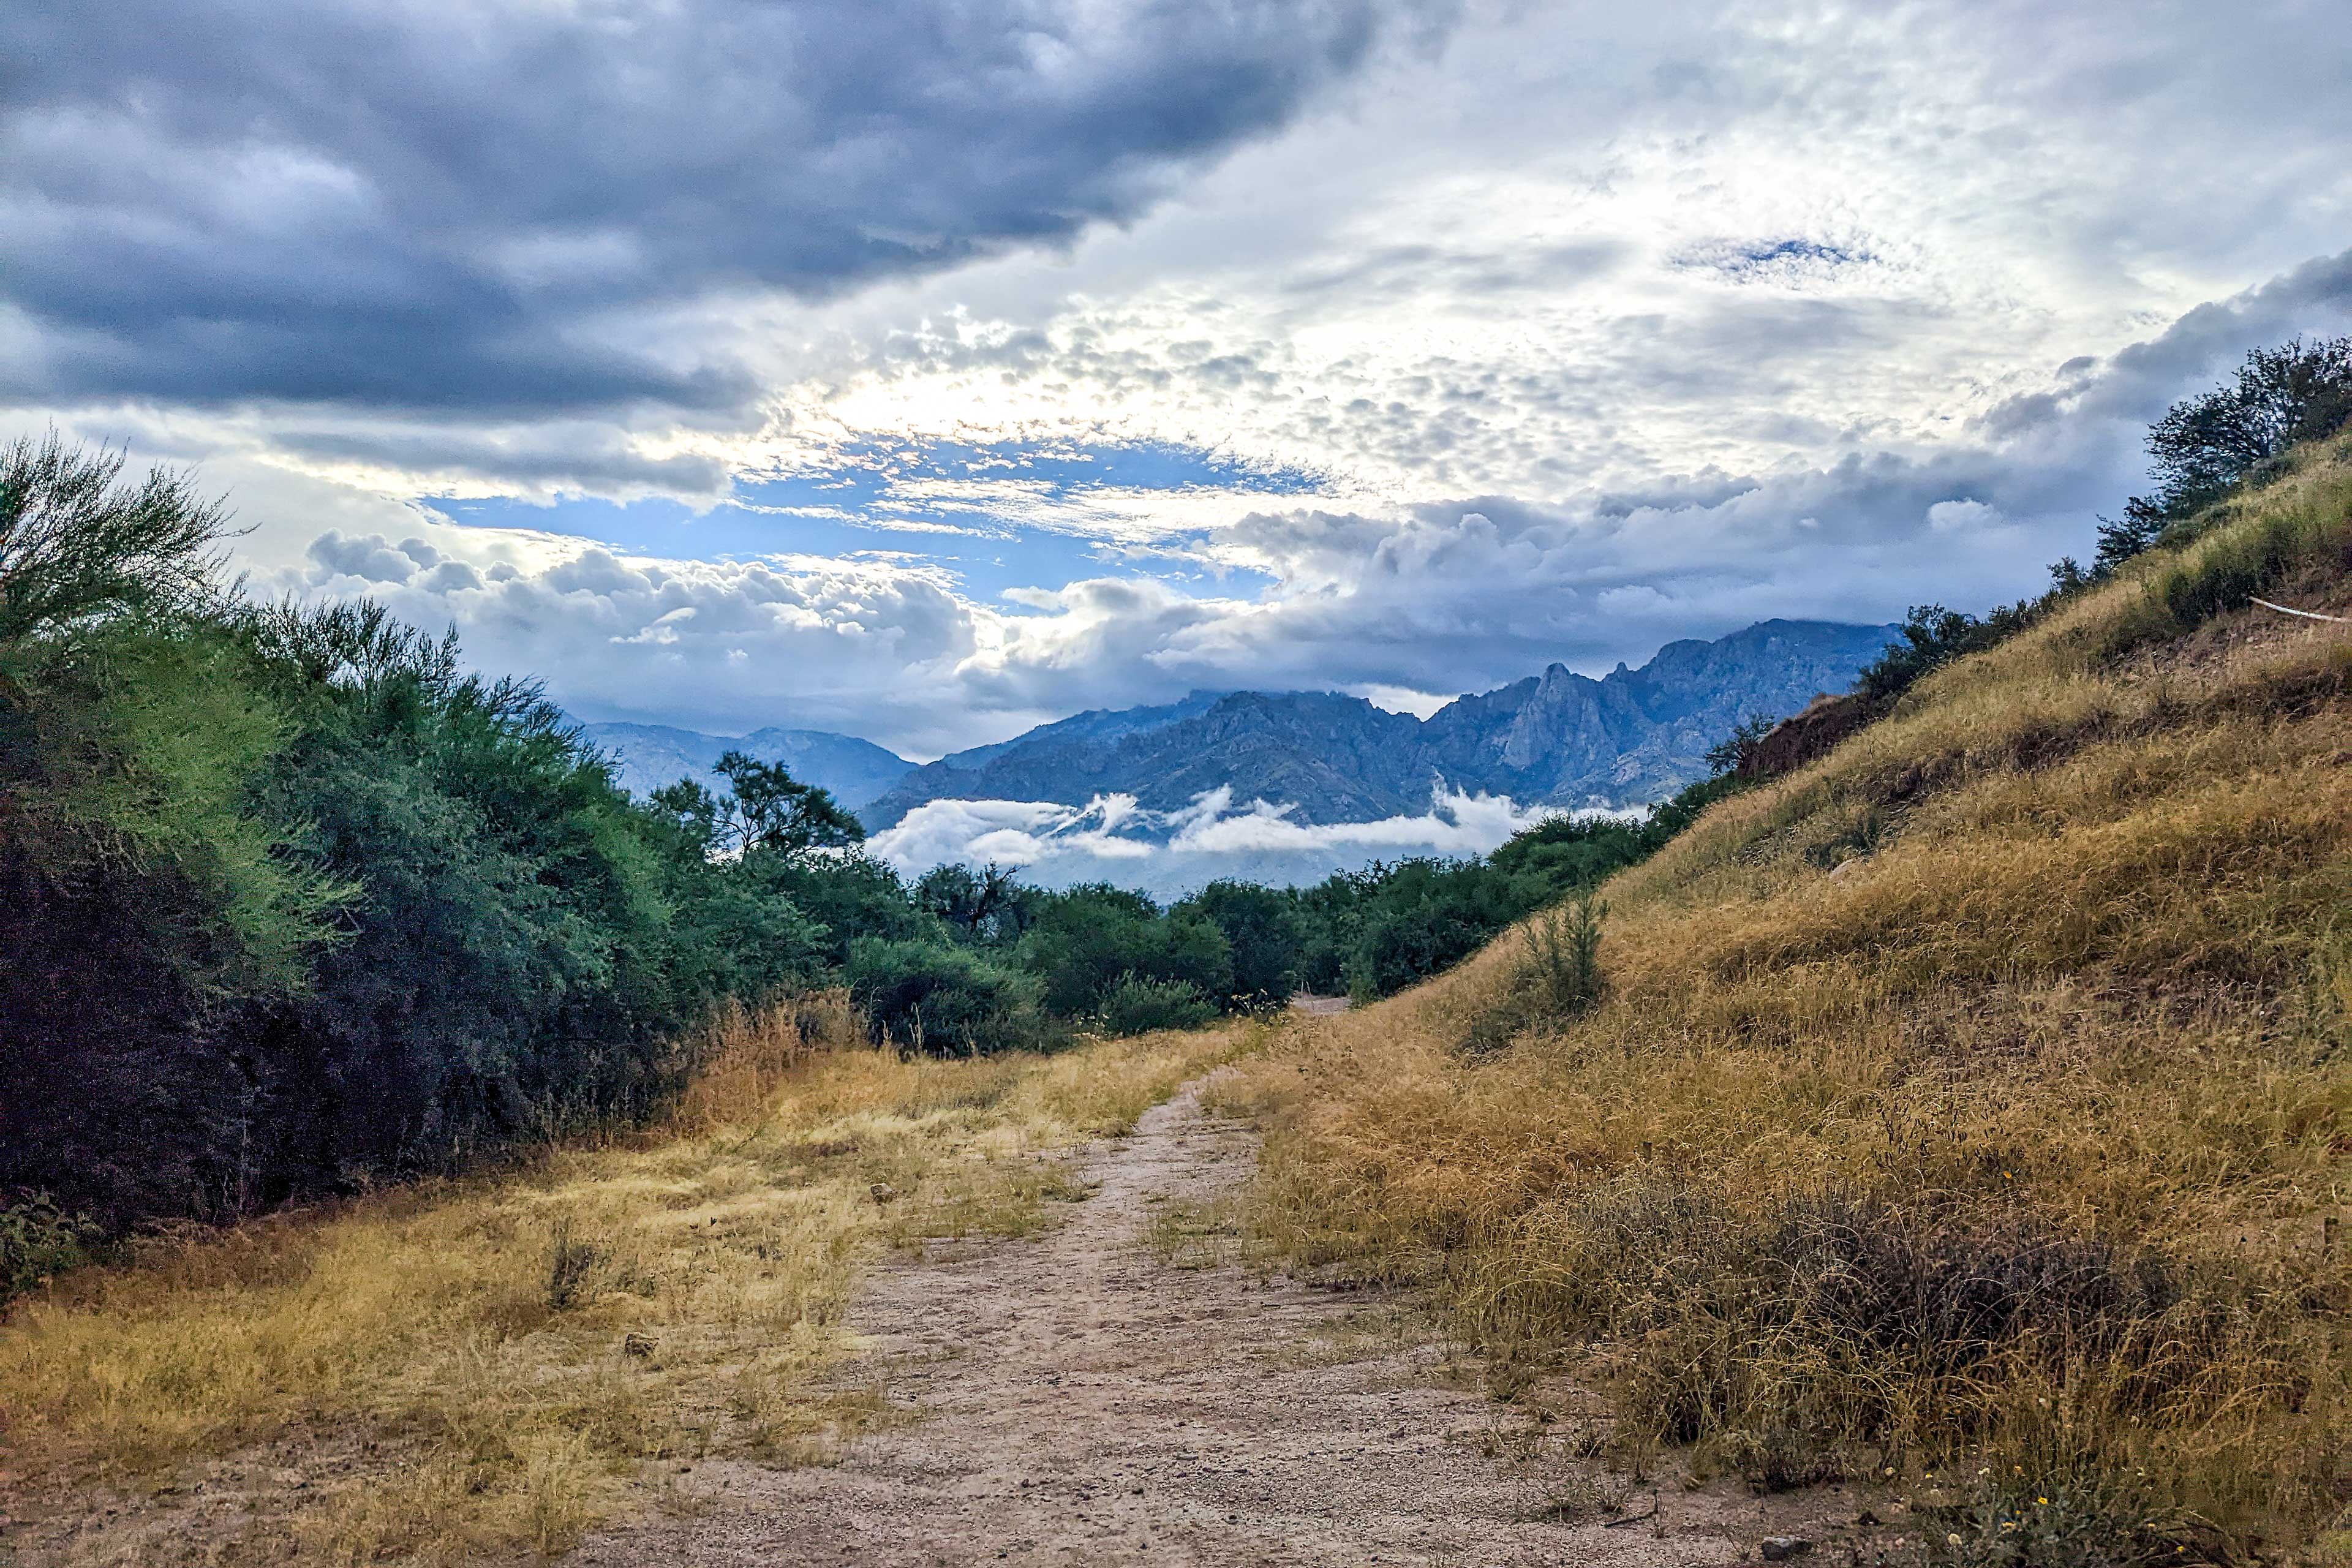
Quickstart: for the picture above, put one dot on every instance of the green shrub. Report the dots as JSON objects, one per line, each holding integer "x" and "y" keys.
{"x": 39, "y": 1241}
{"x": 1423, "y": 916}
{"x": 2008, "y": 1519}
{"x": 288, "y": 899}
{"x": 2205, "y": 446}
{"x": 1137, "y": 1004}
{"x": 1263, "y": 931}
{"x": 930, "y": 996}
{"x": 1085, "y": 940}
{"x": 1562, "y": 968}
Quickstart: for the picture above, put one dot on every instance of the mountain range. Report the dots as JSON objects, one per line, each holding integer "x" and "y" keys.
{"x": 1556, "y": 739}
{"x": 646, "y": 756}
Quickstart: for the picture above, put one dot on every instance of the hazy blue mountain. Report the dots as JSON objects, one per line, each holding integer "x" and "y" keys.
{"x": 646, "y": 756}
{"x": 1638, "y": 735}
{"x": 1559, "y": 738}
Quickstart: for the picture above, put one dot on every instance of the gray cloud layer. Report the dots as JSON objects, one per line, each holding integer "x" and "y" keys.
{"x": 1437, "y": 598}
{"x": 1599, "y": 327}
{"x": 435, "y": 205}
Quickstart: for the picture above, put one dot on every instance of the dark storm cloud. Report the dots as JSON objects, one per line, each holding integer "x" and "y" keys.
{"x": 2138, "y": 383}
{"x": 438, "y": 206}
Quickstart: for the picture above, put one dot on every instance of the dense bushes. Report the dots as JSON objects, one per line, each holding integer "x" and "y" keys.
{"x": 1084, "y": 940}
{"x": 1135, "y": 1005}
{"x": 290, "y": 900}
{"x": 1115, "y": 959}
{"x": 1263, "y": 929}
{"x": 38, "y": 1241}
{"x": 287, "y": 899}
{"x": 927, "y": 994}
{"x": 1374, "y": 932}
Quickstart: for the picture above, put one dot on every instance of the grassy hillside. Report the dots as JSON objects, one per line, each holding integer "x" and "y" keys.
{"x": 1971, "y": 1108}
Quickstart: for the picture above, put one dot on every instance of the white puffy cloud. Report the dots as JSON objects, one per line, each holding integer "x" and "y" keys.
{"x": 838, "y": 644}
{"x": 1111, "y": 838}
{"x": 1589, "y": 329}
{"x": 1431, "y": 597}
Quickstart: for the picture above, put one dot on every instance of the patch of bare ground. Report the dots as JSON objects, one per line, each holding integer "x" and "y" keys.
{"x": 1124, "y": 1389}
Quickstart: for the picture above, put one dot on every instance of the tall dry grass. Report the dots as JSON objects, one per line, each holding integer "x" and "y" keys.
{"x": 1975, "y": 1101}
{"x": 512, "y": 1352}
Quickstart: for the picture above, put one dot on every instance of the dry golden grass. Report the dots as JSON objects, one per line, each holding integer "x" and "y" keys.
{"x": 517, "y": 1347}
{"x": 2017, "y": 1142}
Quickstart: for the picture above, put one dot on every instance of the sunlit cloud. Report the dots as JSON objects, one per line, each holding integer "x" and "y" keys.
{"x": 1171, "y": 853}
{"x": 1400, "y": 349}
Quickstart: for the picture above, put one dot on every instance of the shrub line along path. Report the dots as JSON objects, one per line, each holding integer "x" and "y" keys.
{"x": 1120, "y": 1391}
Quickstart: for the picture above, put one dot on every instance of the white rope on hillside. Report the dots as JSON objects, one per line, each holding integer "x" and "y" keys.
{"x": 2306, "y": 614}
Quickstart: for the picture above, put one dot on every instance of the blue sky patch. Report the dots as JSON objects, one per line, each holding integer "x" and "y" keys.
{"x": 997, "y": 515}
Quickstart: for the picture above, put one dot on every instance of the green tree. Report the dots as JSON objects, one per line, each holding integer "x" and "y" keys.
{"x": 1263, "y": 932}
{"x": 1086, "y": 938}
{"x": 774, "y": 813}
{"x": 2205, "y": 444}
{"x": 78, "y": 546}
{"x": 988, "y": 906}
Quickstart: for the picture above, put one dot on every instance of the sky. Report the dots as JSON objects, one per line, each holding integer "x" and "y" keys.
{"x": 931, "y": 369}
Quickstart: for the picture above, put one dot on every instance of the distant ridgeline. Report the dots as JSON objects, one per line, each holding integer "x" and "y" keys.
{"x": 646, "y": 756}
{"x": 1556, "y": 739}
{"x": 1560, "y": 737}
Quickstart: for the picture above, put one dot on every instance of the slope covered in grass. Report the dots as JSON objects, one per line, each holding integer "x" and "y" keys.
{"x": 1971, "y": 1106}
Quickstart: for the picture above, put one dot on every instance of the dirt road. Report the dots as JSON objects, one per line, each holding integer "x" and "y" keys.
{"x": 1110, "y": 1394}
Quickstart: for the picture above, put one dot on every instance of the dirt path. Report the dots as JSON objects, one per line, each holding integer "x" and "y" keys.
{"x": 1081, "y": 1399}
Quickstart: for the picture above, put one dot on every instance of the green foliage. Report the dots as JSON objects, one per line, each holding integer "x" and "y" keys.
{"x": 76, "y": 545}
{"x": 770, "y": 812}
{"x": 1932, "y": 636}
{"x": 1562, "y": 970}
{"x": 1558, "y": 977}
{"x": 987, "y": 905}
{"x": 287, "y": 898}
{"x": 1136, "y": 1004}
{"x": 38, "y": 1241}
{"x": 2089, "y": 1519}
{"x": 847, "y": 897}
{"x": 1262, "y": 930}
{"x": 929, "y": 995}
{"x": 1423, "y": 916}
{"x": 1375, "y": 932}
{"x": 1565, "y": 852}
{"x": 1085, "y": 940}
{"x": 1331, "y": 919}
{"x": 2205, "y": 446}
{"x": 1735, "y": 750}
